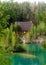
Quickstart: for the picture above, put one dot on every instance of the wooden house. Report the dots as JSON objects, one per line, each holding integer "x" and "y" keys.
{"x": 25, "y": 26}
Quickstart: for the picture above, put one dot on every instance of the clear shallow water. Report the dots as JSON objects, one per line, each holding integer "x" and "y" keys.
{"x": 34, "y": 49}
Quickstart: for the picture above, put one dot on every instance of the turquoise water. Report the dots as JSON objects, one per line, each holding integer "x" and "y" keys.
{"x": 34, "y": 49}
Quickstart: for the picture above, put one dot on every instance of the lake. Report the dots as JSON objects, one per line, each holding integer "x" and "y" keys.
{"x": 32, "y": 49}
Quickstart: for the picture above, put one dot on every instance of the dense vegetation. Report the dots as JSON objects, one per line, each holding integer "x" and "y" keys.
{"x": 13, "y": 11}
{"x": 5, "y": 60}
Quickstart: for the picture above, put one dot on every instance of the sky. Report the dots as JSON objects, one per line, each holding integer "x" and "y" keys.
{"x": 28, "y": 1}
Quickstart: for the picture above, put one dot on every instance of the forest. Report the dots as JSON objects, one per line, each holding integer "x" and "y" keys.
{"x": 11, "y": 12}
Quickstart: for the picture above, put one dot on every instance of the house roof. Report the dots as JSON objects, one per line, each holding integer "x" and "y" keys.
{"x": 25, "y": 25}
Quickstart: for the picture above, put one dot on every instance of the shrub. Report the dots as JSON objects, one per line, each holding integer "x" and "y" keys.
{"x": 5, "y": 60}
{"x": 44, "y": 45}
{"x": 17, "y": 27}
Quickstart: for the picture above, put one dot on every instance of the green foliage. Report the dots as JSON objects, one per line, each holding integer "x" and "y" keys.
{"x": 44, "y": 45}
{"x": 13, "y": 11}
{"x": 34, "y": 31}
{"x": 41, "y": 28}
{"x": 17, "y": 27}
{"x": 9, "y": 37}
{"x": 2, "y": 50}
{"x": 1, "y": 28}
{"x": 5, "y": 60}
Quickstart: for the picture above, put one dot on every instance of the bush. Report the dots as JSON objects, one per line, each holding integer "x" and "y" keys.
{"x": 17, "y": 27}
{"x": 5, "y": 60}
{"x": 44, "y": 45}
